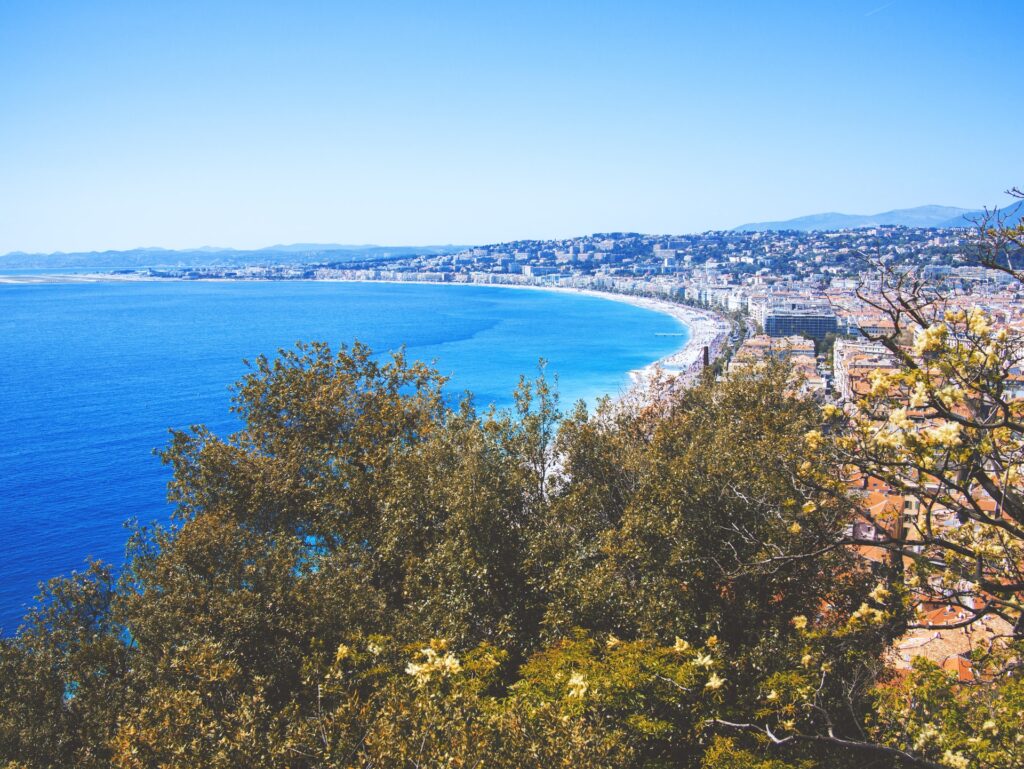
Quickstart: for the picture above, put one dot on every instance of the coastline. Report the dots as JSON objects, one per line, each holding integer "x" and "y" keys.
{"x": 706, "y": 329}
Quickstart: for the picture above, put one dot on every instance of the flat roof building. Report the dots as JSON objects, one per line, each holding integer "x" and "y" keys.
{"x": 800, "y": 319}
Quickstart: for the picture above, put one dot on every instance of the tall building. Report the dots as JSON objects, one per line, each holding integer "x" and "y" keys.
{"x": 796, "y": 318}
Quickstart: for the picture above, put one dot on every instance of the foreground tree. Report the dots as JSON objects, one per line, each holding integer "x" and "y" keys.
{"x": 945, "y": 427}
{"x": 366, "y": 575}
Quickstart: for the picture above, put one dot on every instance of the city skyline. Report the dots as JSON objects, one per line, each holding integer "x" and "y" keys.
{"x": 204, "y": 126}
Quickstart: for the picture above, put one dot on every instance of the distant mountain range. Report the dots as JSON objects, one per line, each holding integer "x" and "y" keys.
{"x": 922, "y": 216}
{"x": 139, "y": 258}
{"x": 313, "y": 253}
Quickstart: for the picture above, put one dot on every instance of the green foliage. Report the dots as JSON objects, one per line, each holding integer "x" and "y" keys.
{"x": 957, "y": 724}
{"x": 364, "y": 575}
{"x": 724, "y": 754}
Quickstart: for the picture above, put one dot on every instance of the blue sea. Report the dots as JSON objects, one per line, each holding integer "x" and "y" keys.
{"x": 93, "y": 375}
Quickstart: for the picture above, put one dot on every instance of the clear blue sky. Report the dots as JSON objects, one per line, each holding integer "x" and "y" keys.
{"x": 252, "y": 123}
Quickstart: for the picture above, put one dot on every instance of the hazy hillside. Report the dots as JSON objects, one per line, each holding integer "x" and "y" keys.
{"x": 1012, "y": 214}
{"x": 211, "y": 257}
{"x": 922, "y": 216}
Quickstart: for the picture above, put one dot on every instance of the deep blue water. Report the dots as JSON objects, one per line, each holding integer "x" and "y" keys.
{"x": 93, "y": 375}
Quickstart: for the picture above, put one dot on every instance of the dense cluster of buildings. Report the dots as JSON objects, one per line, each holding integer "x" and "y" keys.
{"x": 711, "y": 264}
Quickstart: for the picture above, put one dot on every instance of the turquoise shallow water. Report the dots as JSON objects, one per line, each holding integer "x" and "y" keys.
{"x": 93, "y": 375}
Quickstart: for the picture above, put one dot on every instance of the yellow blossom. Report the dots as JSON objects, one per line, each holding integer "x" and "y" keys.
{"x": 919, "y": 397}
{"x": 704, "y": 661}
{"x": 868, "y": 614}
{"x": 577, "y": 686}
{"x": 433, "y": 663}
{"x": 830, "y": 410}
{"x": 892, "y": 440}
{"x": 772, "y": 696}
{"x": 809, "y": 507}
{"x": 880, "y": 593}
{"x": 927, "y": 734}
{"x": 680, "y": 645}
{"x": 950, "y": 395}
{"x": 712, "y": 641}
{"x": 714, "y": 682}
{"x": 946, "y": 434}
{"x": 799, "y": 622}
{"x": 991, "y": 354}
{"x": 977, "y": 322}
{"x": 898, "y": 418}
{"x": 795, "y": 528}
{"x": 930, "y": 339}
{"x": 881, "y": 382}
{"x": 806, "y": 660}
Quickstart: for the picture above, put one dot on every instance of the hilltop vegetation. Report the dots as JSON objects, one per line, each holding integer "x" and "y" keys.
{"x": 367, "y": 576}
